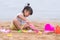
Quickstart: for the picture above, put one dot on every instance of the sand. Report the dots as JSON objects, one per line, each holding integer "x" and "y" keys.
{"x": 15, "y": 35}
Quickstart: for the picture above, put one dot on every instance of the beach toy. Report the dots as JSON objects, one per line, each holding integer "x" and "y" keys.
{"x": 24, "y": 31}
{"x": 57, "y": 29}
{"x": 30, "y": 31}
{"x": 27, "y": 31}
{"x": 49, "y": 28}
{"x": 8, "y": 31}
{"x": 4, "y": 30}
{"x": 20, "y": 31}
{"x": 9, "y": 35}
{"x": 39, "y": 32}
{"x": 32, "y": 26}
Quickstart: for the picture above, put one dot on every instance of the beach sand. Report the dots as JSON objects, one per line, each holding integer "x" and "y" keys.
{"x": 15, "y": 35}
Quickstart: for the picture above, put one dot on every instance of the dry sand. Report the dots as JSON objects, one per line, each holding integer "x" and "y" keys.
{"x": 29, "y": 36}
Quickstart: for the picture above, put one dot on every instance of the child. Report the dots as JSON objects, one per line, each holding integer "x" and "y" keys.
{"x": 21, "y": 18}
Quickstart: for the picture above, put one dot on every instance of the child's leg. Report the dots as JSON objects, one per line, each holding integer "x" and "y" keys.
{"x": 17, "y": 24}
{"x": 12, "y": 27}
{"x": 26, "y": 27}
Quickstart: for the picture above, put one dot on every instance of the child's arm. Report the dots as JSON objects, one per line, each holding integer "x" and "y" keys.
{"x": 24, "y": 19}
{"x": 27, "y": 21}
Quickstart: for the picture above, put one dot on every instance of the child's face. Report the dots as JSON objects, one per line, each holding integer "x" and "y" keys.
{"x": 26, "y": 13}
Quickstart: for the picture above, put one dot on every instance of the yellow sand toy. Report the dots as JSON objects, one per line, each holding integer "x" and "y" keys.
{"x": 9, "y": 35}
{"x": 29, "y": 31}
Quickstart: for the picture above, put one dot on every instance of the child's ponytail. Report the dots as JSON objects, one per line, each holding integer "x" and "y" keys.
{"x": 28, "y": 4}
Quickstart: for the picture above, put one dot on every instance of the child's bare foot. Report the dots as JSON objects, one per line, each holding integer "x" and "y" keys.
{"x": 35, "y": 30}
{"x": 26, "y": 28}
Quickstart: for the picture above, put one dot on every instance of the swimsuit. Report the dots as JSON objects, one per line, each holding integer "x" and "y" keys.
{"x": 22, "y": 22}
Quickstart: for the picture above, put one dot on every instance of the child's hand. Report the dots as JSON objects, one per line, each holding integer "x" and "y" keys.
{"x": 36, "y": 30}
{"x": 32, "y": 26}
{"x": 28, "y": 22}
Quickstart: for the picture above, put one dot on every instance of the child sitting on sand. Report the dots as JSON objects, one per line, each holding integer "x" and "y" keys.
{"x": 21, "y": 19}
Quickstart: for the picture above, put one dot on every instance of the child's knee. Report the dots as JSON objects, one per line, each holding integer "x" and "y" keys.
{"x": 12, "y": 27}
{"x": 26, "y": 25}
{"x": 14, "y": 21}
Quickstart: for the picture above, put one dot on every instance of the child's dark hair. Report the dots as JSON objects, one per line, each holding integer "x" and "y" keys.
{"x": 28, "y": 8}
